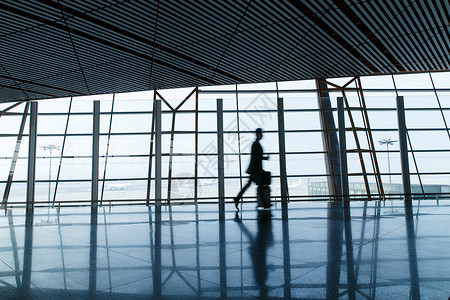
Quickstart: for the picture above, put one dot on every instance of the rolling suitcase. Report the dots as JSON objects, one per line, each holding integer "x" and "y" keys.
{"x": 263, "y": 196}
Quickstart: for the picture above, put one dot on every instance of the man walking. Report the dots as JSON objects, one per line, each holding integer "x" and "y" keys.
{"x": 255, "y": 169}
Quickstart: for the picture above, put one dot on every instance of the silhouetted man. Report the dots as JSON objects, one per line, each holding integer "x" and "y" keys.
{"x": 255, "y": 169}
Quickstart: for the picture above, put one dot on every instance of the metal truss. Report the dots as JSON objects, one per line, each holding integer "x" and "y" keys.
{"x": 366, "y": 129}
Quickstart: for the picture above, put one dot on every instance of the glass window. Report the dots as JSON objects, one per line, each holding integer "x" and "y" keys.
{"x": 413, "y": 81}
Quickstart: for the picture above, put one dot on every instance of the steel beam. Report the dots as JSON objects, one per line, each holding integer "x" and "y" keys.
{"x": 220, "y": 158}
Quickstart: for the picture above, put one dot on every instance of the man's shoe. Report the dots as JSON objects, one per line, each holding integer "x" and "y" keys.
{"x": 236, "y": 203}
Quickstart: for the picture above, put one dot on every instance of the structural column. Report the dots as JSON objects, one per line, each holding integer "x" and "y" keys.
{"x": 95, "y": 153}
{"x": 157, "y": 285}
{"x": 158, "y": 161}
{"x": 220, "y": 159}
{"x": 28, "y": 243}
{"x": 32, "y": 156}
{"x": 282, "y": 158}
{"x": 94, "y": 199}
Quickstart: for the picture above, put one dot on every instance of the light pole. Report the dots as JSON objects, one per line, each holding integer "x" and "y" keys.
{"x": 388, "y": 142}
{"x": 50, "y": 147}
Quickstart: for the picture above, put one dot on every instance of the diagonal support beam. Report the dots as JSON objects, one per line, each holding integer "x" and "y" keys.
{"x": 15, "y": 156}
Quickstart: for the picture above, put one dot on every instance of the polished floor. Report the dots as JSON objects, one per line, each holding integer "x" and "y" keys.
{"x": 187, "y": 252}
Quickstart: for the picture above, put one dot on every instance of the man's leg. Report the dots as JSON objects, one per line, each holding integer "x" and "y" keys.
{"x": 239, "y": 196}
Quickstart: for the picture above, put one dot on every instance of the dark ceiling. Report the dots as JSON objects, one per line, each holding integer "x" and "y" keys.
{"x": 59, "y": 48}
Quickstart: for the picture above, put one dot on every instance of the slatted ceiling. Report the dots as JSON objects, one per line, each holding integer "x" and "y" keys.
{"x": 417, "y": 36}
{"x": 192, "y": 31}
{"x": 350, "y": 32}
{"x": 435, "y": 17}
{"x": 206, "y": 51}
{"x": 439, "y": 48}
{"x": 380, "y": 29}
{"x": 392, "y": 60}
{"x": 33, "y": 6}
{"x": 162, "y": 76}
{"x": 177, "y": 64}
{"x": 43, "y": 65}
{"x": 286, "y": 40}
{"x": 93, "y": 6}
{"x": 425, "y": 34}
{"x": 71, "y": 80}
{"x": 46, "y": 91}
{"x": 195, "y": 27}
{"x": 118, "y": 39}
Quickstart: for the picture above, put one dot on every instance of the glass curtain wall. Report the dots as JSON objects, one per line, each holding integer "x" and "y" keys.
{"x": 189, "y": 141}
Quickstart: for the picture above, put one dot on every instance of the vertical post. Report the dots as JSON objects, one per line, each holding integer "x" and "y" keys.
{"x": 32, "y": 156}
{"x": 403, "y": 143}
{"x": 157, "y": 286}
{"x": 342, "y": 149}
{"x": 223, "y": 258}
{"x": 95, "y": 153}
{"x": 196, "y": 148}
{"x": 94, "y": 199}
{"x": 157, "y": 281}
{"x": 158, "y": 161}
{"x": 282, "y": 158}
{"x": 28, "y": 244}
{"x": 220, "y": 158}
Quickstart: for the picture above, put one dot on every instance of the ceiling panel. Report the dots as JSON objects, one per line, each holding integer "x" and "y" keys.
{"x": 51, "y": 48}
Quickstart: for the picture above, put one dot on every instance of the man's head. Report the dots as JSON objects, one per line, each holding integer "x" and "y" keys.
{"x": 259, "y": 133}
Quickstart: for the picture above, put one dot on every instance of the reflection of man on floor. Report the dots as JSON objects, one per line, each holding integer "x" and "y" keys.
{"x": 255, "y": 169}
{"x": 258, "y": 247}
